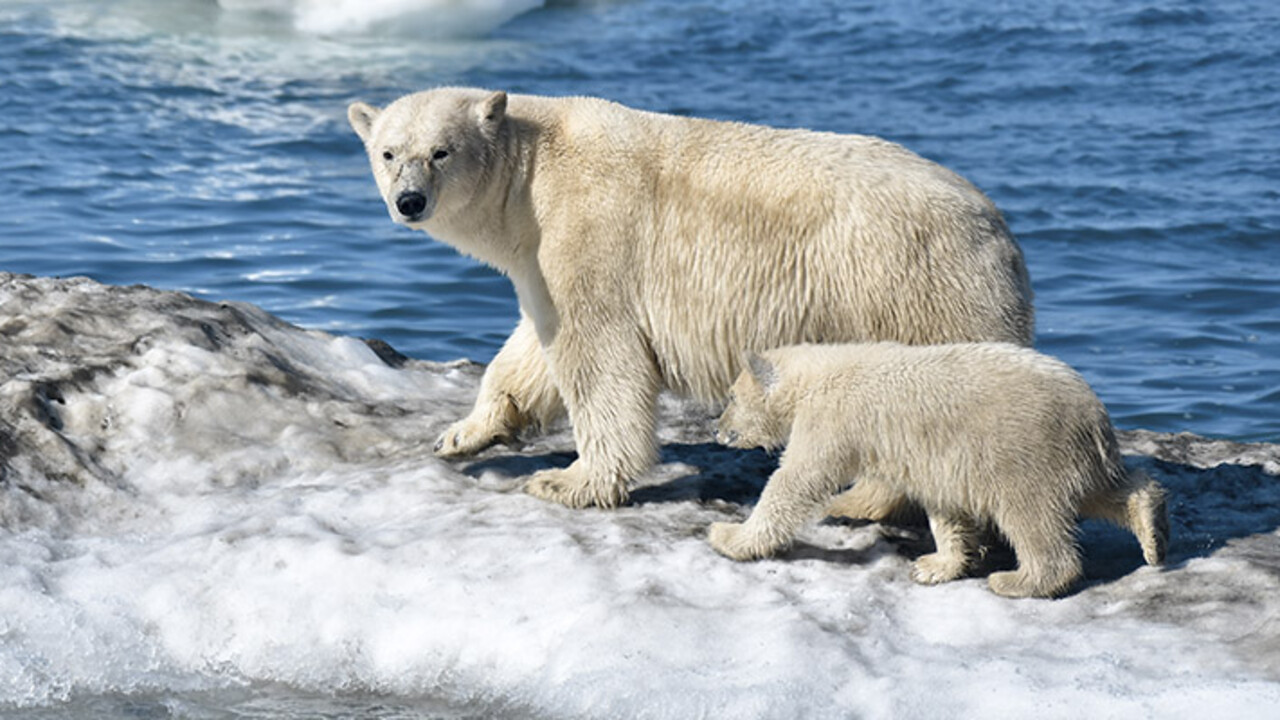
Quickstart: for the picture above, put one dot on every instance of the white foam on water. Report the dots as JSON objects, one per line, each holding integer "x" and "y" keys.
{"x": 245, "y": 48}
{"x": 439, "y": 18}
{"x": 263, "y": 509}
{"x": 416, "y": 18}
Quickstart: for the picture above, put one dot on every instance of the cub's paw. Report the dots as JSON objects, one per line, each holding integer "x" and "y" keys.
{"x": 574, "y": 488}
{"x": 467, "y": 437}
{"x": 935, "y": 568}
{"x": 733, "y": 541}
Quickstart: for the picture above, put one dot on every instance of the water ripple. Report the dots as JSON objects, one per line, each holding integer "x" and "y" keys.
{"x": 1135, "y": 152}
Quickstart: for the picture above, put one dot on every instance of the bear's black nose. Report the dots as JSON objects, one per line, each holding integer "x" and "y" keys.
{"x": 411, "y": 203}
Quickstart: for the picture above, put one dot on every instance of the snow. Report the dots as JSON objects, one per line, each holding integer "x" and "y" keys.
{"x": 198, "y": 497}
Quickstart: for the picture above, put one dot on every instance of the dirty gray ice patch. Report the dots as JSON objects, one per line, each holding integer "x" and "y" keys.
{"x": 108, "y": 387}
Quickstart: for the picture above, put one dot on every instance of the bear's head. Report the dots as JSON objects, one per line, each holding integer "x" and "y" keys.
{"x": 431, "y": 152}
{"x": 753, "y": 417}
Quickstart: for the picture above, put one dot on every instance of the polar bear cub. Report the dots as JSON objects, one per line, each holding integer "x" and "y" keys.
{"x": 975, "y": 433}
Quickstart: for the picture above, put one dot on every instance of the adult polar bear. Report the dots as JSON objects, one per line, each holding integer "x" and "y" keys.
{"x": 651, "y": 251}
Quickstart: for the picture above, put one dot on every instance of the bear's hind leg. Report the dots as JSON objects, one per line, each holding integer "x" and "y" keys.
{"x": 1048, "y": 559}
{"x": 954, "y": 538}
{"x": 1147, "y": 511}
{"x": 1139, "y": 505}
{"x": 516, "y": 392}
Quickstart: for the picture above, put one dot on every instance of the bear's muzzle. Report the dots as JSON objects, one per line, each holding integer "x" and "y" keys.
{"x": 410, "y": 204}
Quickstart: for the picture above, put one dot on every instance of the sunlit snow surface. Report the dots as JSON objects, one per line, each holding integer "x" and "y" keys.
{"x": 198, "y": 501}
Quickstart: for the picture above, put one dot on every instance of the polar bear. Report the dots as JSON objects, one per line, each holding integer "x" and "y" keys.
{"x": 976, "y": 433}
{"x": 649, "y": 251}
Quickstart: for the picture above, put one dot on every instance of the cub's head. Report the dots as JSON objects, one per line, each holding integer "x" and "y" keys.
{"x": 753, "y": 417}
{"x": 431, "y": 151}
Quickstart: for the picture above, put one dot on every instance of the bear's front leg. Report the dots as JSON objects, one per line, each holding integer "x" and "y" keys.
{"x": 806, "y": 479}
{"x": 516, "y": 391}
{"x": 609, "y": 385}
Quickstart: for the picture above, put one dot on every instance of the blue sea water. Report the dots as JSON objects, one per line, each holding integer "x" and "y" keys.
{"x": 1135, "y": 149}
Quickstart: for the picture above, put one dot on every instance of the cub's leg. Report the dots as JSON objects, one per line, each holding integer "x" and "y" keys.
{"x": 870, "y": 499}
{"x": 515, "y": 392}
{"x": 1044, "y": 541}
{"x": 955, "y": 538}
{"x": 1139, "y": 505}
{"x": 610, "y": 385}
{"x": 796, "y": 491}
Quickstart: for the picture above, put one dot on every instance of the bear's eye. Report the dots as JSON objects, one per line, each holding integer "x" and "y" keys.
{"x": 440, "y": 154}
{"x": 386, "y": 155}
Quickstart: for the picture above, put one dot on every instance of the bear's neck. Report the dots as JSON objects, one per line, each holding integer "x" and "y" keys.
{"x": 498, "y": 226}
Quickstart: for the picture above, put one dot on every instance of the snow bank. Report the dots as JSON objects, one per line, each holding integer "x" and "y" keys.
{"x": 197, "y": 496}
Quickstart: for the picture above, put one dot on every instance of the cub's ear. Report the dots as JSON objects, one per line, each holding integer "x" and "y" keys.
{"x": 763, "y": 371}
{"x": 491, "y": 110}
{"x": 361, "y": 116}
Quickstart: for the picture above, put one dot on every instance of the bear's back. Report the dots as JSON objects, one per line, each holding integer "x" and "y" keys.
{"x": 723, "y": 237}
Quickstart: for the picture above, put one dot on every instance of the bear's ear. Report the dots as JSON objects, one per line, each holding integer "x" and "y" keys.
{"x": 491, "y": 110}
{"x": 763, "y": 371}
{"x": 361, "y": 116}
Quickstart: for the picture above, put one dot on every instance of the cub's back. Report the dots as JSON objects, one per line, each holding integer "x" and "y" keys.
{"x": 968, "y": 385}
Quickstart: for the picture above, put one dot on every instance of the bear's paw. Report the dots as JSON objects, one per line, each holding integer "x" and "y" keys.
{"x": 468, "y": 437}
{"x": 936, "y": 568}
{"x": 1024, "y": 584}
{"x": 734, "y": 542}
{"x": 572, "y": 487}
